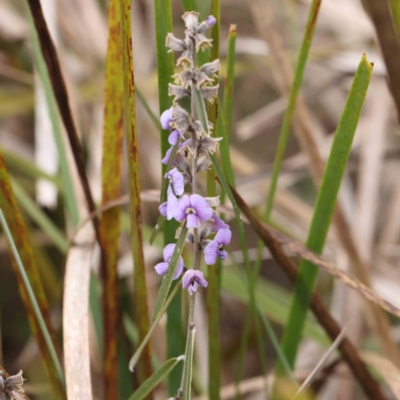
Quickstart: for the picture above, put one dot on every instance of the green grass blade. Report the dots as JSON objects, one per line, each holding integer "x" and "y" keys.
{"x": 66, "y": 179}
{"x": 166, "y": 68}
{"x": 147, "y": 107}
{"x": 135, "y": 358}
{"x": 395, "y": 8}
{"x": 294, "y": 91}
{"x": 19, "y": 232}
{"x": 28, "y": 168}
{"x": 155, "y": 379}
{"x": 140, "y": 288}
{"x": 32, "y": 299}
{"x": 272, "y": 300}
{"x": 229, "y": 80}
{"x": 167, "y": 280}
{"x": 190, "y": 5}
{"x": 324, "y": 208}
{"x": 188, "y": 367}
{"x": 111, "y": 190}
{"x": 40, "y": 218}
{"x": 277, "y": 347}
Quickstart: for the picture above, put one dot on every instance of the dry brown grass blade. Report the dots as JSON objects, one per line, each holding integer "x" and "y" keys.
{"x": 304, "y": 130}
{"x": 20, "y": 234}
{"x": 379, "y": 12}
{"x": 76, "y": 315}
{"x": 386, "y": 369}
{"x": 350, "y": 355}
{"x": 332, "y": 269}
{"x": 111, "y": 188}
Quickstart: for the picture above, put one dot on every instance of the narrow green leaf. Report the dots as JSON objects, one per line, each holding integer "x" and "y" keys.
{"x": 324, "y": 208}
{"x": 17, "y": 163}
{"x": 190, "y": 5}
{"x": 167, "y": 279}
{"x": 272, "y": 300}
{"x": 39, "y": 217}
{"x": 229, "y": 80}
{"x": 66, "y": 179}
{"x": 395, "y": 7}
{"x": 135, "y": 358}
{"x": 188, "y": 366}
{"x": 150, "y": 383}
{"x": 166, "y": 68}
{"x": 294, "y": 91}
{"x": 147, "y": 107}
{"x": 140, "y": 288}
{"x": 278, "y": 349}
{"x": 33, "y": 300}
{"x": 111, "y": 190}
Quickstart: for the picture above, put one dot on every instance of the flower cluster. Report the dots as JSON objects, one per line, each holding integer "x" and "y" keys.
{"x": 191, "y": 144}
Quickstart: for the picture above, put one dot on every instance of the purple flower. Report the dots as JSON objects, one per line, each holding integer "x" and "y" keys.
{"x": 177, "y": 180}
{"x": 214, "y": 248}
{"x": 211, "y": 21}
{"x": 167, "y": 208}
{"x": 194, "y": 208}
{"x": 162, "y": 268}
{"x": 166, "y": 119}
{"x": 174, "y": 137}
{"x": 165, "y": 160}
{"x": 192, "y": 279}
{"x": 218, "y": 223}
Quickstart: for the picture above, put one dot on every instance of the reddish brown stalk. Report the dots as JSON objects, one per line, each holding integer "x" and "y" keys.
{"x": 349, "y": 353}
{"x": 60, "y": 91}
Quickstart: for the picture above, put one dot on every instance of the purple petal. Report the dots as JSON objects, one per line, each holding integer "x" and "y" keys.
{"x": 180, "y": 209}
{"x": 163, "y": 209}
{"x": 202, "y": 208}
{"x": 211, "y": 252}
{"x": 223, "y": 236}
{"x": 211, "y": 21}
{"x": 193, "y": 287}
{"x": 179, "y": 268}
{"x": 165, "y": 160}
{"x": 178, "y": 182}
{"x": 186, "y": 143}
{"x": 187, "y": 278}
{"x": 192, "y": 221}
{"x": 218, "y": 223}
{"x": 173, "y": 137}
{"x": 172, "y": 202}
{"x": 161, "y": 268}
{"x": 222, "y": 254}
{"x": 166, "y": 119}
{"x": 168, "y": 251}
{"x": 192, "y": 279}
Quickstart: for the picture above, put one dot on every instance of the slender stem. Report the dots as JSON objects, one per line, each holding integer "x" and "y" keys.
{"x": 197, "y": 253}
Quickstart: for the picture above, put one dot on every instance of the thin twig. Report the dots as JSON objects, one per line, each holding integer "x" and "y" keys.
{"x": 350, "y": 355}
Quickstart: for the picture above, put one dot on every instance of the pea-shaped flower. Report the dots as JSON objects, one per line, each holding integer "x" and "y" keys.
{"x": 166, "y": 119}
{"x": 161, "y": 268}
{"x": 192, "y": 279}
{"x": 177, "y": 180}
{"x": 194, "y": 209}
{"x": 215, "y": 248}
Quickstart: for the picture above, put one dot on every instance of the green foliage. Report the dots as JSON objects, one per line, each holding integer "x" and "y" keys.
{"x": 324, "y": 208}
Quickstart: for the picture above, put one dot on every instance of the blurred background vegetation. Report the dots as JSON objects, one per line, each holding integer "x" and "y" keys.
{"x": 269, "y": 35}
